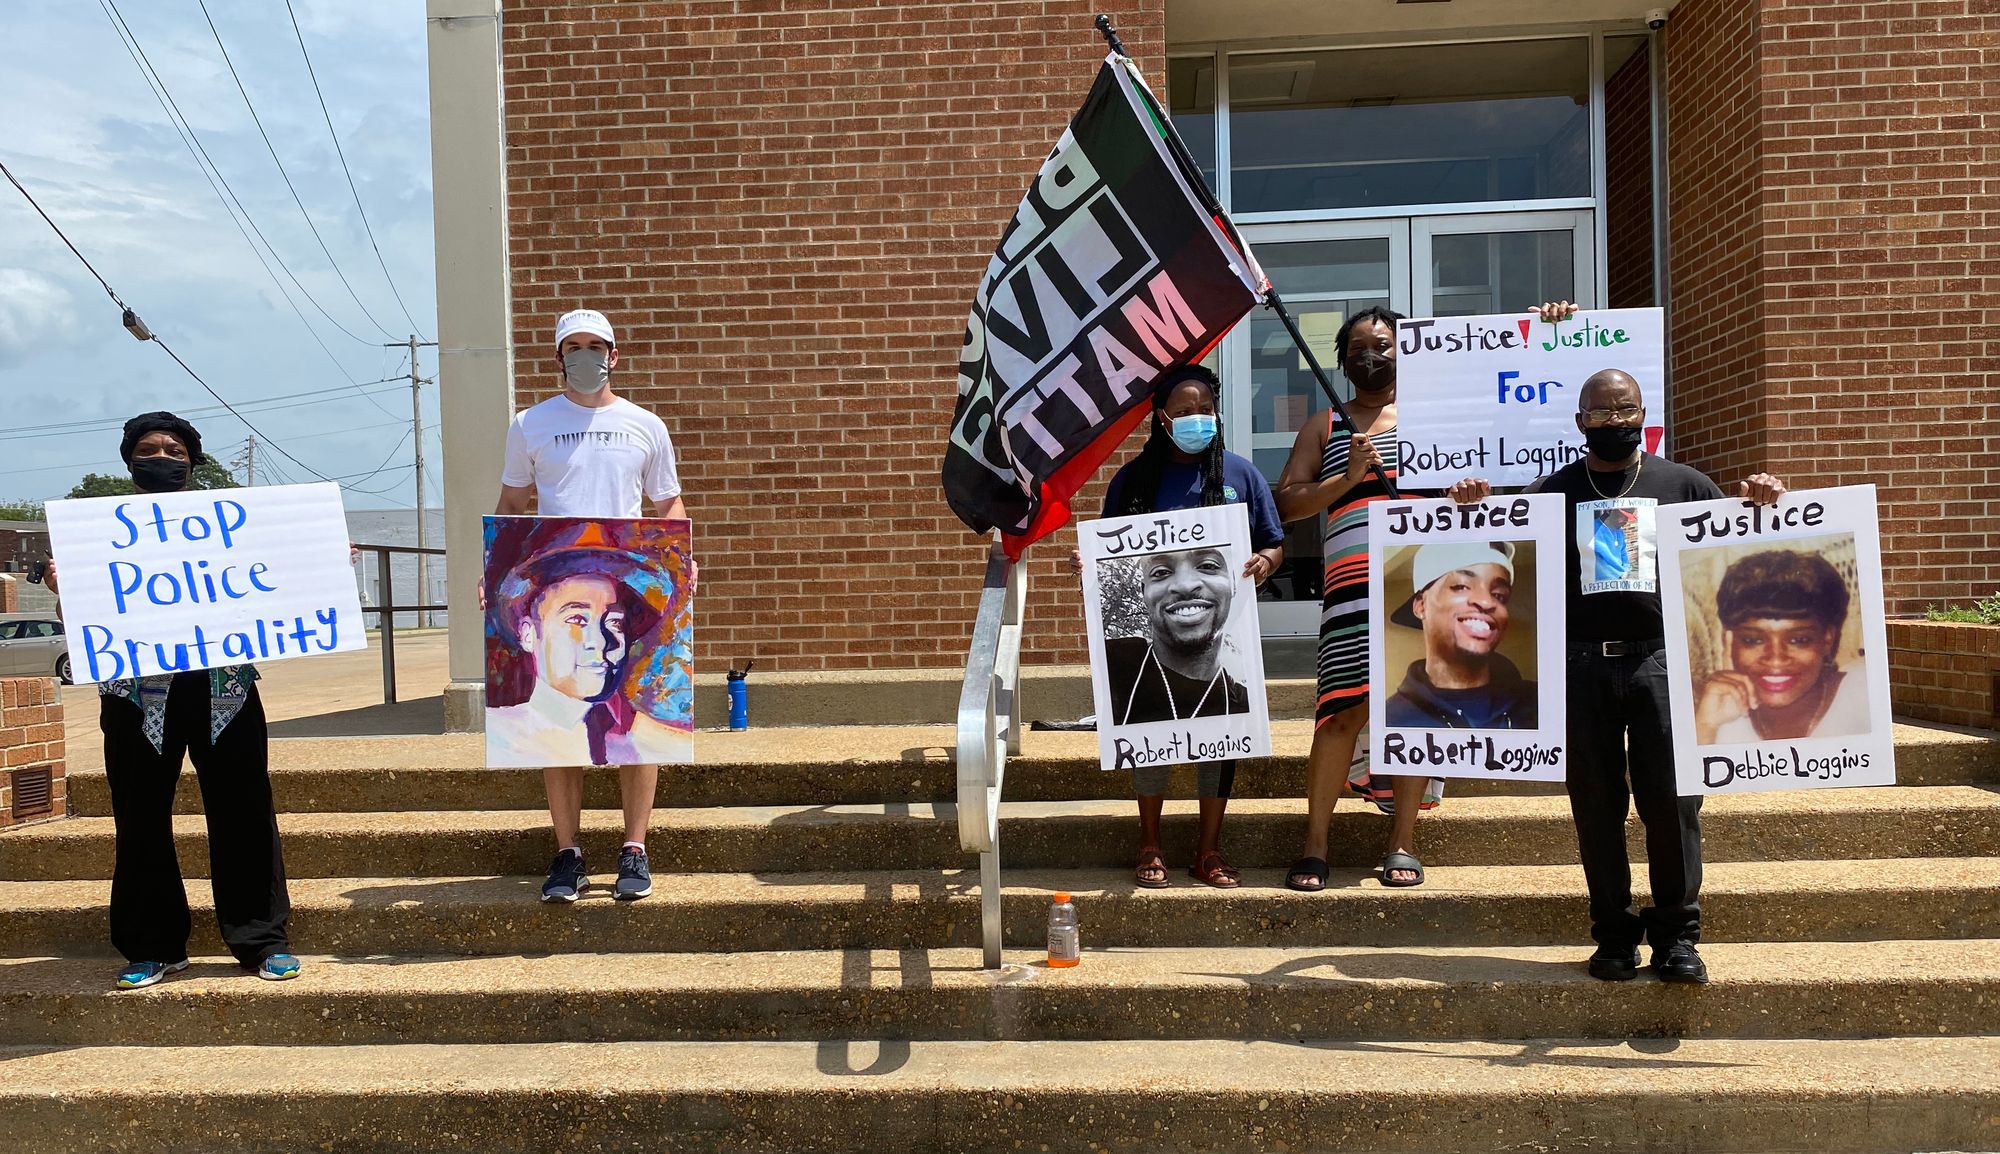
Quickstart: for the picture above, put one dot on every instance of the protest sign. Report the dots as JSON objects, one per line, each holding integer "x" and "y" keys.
{"x": 1777, "y": 653}
{"x": 589, "y": 641}
{"x": 1176, "y": 659}
{"x": 1466, "y": 638}
{"x": 167, "y": 582}
{"x": 1496, "y": 396}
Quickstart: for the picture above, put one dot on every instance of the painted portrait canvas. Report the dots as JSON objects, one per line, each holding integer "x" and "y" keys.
{"x": 589, "y": 642}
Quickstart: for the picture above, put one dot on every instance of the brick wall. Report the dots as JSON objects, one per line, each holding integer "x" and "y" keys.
{"x": 31, "y": 734}
{"x": 1945, "y": 672}
{"x": 784, "y": 205}
{"x": 1628, "y": 184}
{"x": 1836, "y": 263}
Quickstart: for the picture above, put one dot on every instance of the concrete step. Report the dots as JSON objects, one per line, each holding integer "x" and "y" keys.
{"x": 1818, "y": 989}
{"x": 853, "y": 765}
{"x": 1465, "y": 906}
{"x": 1163, "y": 1097}
{"x": 1937, "y": 821}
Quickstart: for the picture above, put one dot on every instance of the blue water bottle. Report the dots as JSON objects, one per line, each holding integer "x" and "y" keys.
{"x": 739, "y": 696}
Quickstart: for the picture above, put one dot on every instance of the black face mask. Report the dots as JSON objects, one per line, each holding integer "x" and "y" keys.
{"x": 1612, "y": 442}
{"x": 159, "y": 474}
{"x": 1371, "y": 371}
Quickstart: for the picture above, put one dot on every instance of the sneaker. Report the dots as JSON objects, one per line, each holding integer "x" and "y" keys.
{"x": 566, "y": 877}
{"x": 635, "y": 878}
{"x": 1615, "y": 963}
{"x": 139, "y": 975}
{"x": 1680, "y": 963}
{"x": 279, "y": 968}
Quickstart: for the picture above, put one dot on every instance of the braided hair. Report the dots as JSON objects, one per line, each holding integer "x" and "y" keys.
{"x": 1142, "y": 485}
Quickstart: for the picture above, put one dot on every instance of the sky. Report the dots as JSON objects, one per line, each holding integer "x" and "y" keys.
{"x": 92, "y": 144}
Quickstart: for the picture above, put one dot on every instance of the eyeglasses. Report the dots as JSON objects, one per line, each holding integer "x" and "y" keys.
{"x": 1623, "y": 414}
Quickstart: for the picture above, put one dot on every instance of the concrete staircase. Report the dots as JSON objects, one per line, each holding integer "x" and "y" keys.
{"x": 806, "y": 975}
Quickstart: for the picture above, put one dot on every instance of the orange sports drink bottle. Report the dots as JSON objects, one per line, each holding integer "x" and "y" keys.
{"x": 1065, "y": 943}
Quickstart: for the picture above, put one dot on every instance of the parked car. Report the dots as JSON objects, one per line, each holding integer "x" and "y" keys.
{"x": 32, "y": 645}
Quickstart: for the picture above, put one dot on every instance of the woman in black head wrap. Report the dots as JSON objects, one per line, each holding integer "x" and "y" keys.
{"x": 215, "y": 718}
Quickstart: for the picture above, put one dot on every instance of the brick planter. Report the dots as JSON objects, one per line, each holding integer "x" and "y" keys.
{"x": 31, "y": 751}
{"x": 1943, "y": 671}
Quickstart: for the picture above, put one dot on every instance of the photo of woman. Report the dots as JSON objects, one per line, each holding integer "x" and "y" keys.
{"x": 1780, "y": 675}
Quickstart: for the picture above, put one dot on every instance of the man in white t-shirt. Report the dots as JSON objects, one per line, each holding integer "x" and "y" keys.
{"x": 588, "y": 453}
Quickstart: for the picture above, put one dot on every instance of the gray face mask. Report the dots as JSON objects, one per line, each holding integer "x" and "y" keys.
{"x": 587, "y": 370}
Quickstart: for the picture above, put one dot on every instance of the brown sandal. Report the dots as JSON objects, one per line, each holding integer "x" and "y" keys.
{"x": 1210, "y": 869}
{"x": 1151, "y": 873}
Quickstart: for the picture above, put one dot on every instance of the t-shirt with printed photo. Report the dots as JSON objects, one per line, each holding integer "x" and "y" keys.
{"x": 585, "y": 462}
{"x": 1613, "y": 554}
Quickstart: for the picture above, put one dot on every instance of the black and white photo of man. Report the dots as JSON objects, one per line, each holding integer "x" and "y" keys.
{"x": 1459, "y": 599}
{"x": 1177, "y": 669}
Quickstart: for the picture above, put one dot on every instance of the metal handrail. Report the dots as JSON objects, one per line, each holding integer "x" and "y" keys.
{"x": 387, "y": 608}
{"x": 989, "y": 729}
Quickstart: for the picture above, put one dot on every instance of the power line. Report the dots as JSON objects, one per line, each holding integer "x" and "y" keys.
{"x": 59, "y": 232}
{"x": 366, "y": 227}
{"x": 157, "y": 85}
{"x": 104, "y": 424}
{"x": 259, "y": 122}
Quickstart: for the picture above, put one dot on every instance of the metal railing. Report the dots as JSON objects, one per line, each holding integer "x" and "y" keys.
{"x": 386, "y": 607}
{"x": 989, "y": 729}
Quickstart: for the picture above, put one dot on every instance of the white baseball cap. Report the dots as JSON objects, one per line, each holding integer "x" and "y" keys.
{"x": 584, "y": 321}
{"x": 1434, "y": 561}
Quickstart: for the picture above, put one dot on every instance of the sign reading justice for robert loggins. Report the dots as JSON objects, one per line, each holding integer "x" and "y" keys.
{"x": 158, "y": 583}
{"x": 1496, "y": 396}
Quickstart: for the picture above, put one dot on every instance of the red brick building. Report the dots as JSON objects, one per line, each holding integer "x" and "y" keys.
{"x": 786, "y": 204}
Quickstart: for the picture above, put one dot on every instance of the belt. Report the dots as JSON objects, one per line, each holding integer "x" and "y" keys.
{"x": 1619, "y": 648}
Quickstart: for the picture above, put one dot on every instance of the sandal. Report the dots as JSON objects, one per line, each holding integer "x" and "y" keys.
{"x": 1400, "y": 862}
{"x": 1210, "y": 869}
{"x": 1307, "y": 867}
{"x": 1151, "y": 873}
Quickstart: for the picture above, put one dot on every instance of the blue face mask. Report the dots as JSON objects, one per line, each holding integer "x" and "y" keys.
{"x": 1193, "y": 432}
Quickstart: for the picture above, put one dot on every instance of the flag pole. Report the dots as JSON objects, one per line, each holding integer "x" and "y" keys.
{"x": 1192, "y": 173}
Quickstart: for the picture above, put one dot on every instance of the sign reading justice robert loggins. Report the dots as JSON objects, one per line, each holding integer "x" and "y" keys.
{"x": 1466, "y": 649}
{"x": 168, "y": 582}
{"x": 1110, "y": 274}
{"x": 1177, "y": 668}
{"x": 1495, "y": 396}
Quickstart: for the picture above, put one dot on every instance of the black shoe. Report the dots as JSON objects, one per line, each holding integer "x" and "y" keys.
{"x": 1615, "y": 963}
{"x": 1680, "y": 963}
{"x": 635, "y": 877}
{"x": 566, "y": 877}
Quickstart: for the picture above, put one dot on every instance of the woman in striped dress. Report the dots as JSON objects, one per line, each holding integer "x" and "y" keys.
{"x": 1329, "y": 471}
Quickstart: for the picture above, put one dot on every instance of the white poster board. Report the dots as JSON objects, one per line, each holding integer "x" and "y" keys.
{"x": 1465, "y": 646}
{"x": 1176, "y": 657}
{"x": 1496, "y": 396}
{"x": 165, "y": 582}
{"x": 1777, "y": 650}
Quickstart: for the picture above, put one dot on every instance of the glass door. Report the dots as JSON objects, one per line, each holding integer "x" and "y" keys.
{"x": 1501, "y": 262}
{"x": 1326, "y": 271}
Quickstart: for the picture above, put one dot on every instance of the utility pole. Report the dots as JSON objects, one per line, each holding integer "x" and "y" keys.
{"x": 247, "y": 461}
{"x": 417, "y": 437}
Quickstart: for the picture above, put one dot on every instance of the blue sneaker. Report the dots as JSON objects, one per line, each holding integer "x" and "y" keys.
{"x": 566, "y": 877}
{"x": 635, "y": 878}
{"x": 279, "y": 968}
{"x": 139, "y": 975}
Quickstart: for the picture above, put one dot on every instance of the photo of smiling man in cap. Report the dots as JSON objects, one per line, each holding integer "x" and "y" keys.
{"x": 1460, "y": 600}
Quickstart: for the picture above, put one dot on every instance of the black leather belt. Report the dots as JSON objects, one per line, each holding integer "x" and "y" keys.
{"x": 1619, "y": 648}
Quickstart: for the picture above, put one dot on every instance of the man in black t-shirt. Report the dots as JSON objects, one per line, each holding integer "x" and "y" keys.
{"x": 1176, "y": 671}
{"x": 1619, "y": 721}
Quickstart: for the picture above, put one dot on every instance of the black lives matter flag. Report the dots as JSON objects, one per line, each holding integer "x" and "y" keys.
{"x": 1111, "y": 274}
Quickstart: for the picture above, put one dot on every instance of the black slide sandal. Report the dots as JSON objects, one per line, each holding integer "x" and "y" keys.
{"x": 1312, "y": 867}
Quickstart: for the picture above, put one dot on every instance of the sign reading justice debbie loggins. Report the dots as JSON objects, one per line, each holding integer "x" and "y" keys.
{"x": 1777, "y": 653}
{"x": 1177, "y": 666}
{"x": 159, "y": 583}
{"x": 1466, "y": 642}
{"x": 1496, "y": 396}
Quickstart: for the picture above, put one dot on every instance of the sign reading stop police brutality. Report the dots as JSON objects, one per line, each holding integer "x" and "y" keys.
{"x": 1110, "y": 274}
{"x": 1496, "y": 396}
{"x": 167, "y": 582}
{"x": 1466, "y": 638}
{"x": 1777, "y": 651}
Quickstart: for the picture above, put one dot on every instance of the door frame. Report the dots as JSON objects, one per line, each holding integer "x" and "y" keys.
{"x": 1583, "y": 251}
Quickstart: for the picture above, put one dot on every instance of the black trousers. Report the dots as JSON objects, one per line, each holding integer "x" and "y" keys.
{"x": 149, "y": 909}
{"x": 1618, "y": 726}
